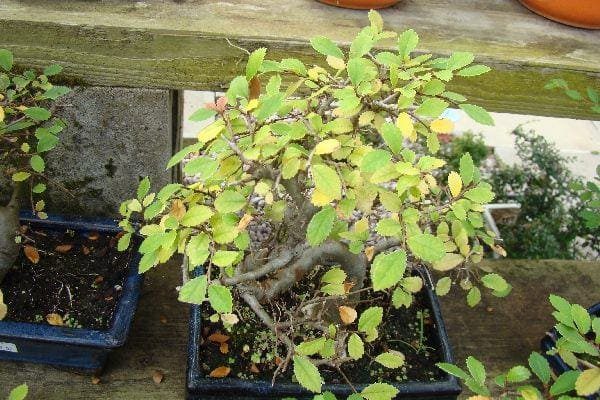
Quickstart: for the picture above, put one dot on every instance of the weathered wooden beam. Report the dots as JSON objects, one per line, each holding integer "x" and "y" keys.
{"x": 183, "y": 45}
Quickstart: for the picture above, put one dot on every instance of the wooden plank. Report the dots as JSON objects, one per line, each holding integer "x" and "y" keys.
{"x": 501, "y": 337}
{"x": 182, "y": 45}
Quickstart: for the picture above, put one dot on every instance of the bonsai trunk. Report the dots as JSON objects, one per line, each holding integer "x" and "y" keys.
{"x": 9, "y": 227}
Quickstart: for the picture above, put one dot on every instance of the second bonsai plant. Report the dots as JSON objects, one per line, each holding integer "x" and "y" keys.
{"x": 311, "y": 215}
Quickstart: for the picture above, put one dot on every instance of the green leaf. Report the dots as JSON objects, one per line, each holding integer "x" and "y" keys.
{"x": 327, "y": 180}
{"x": 37, "y": 163}
{"x": 203, "y": 167}
{"x": 39, "y": 188}
{"x": 224, "y": 258}
{"x": 37, "y": 113}
{"x": 310, "y": 347}
{"x": 428, "y": 163}
{"x": 391, "y": 359}
{"x": 392, "y": 137}
{"x": 370, "y": 319}
{"x": 294, "y": 65}
{"x": 466, "y": 168}
{"x": 388, "y": 269}
{"x": 473, "y": 70}
{"x": 443, "y": 286}
{"x": 407, "y": 42}
{"x": 379, "y": 391}
{"x": 356, "y": 347}
{"x": 124, "y": 241}
{"x": 564, "y": 383}
{"x": 427, "y": 247}
{"x": 360, "y": 70}
{"x": 197, "y": 249}
{"x": 453, "y": 370}
{"x": 540, "y": 366}
{"x": 334, "y": 275}
{"x": 6, "y": 60}
{"x": 254, "y": 62}
{"x": 202, "y": 114}
{"x": 473, "y": 297}
{"x": 46, "y": 140}
{"x": 476, "y": 369}
{"x": 582, "y": 318}
{"x": 494, "y": 282}
{"x": 459, "y": 59}
{"x": 518, "y": 374}
{"x": 143, "y": 188}
{"x": 375, "y": 160}
{"x": 55, "y": 92}
{"x": 220, "y": 298}
{"x": 20, "y": 176}
{"x": 307, "y": 374}
{"x": 362, "y": 44}
{"x": 326, "y": 47}
{"x": 588, "y": 382}
{"x": 270, "y": 105}
{"x": 320, "y": 226}
{"x": 194, "y": 290}
{"x": 21, "y": 391}
{"x": 237, "y": 88}
{"x": 478, "y": 114}
{"x": 54, "y": 69}
{"x": 432, "y": 107}
{"x": 196, "y": 215}
{"x": 480, "y": 194}
{"x": 230, "y": 201}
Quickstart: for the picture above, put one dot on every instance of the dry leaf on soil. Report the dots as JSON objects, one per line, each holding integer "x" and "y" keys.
{"x": 94, "y": 236}
{"x": 157, "y": 376}
{"x": 254, "y": 369}
{"x": 63, "y": 248}
{"x": 32, "y": 254}
{"x": 224, "y": 348}
{"x": 220, "y": 372}
{"x": 95, "y": 380}
{"x": 347, "y": 314}
{"x": 55, "y": 319}
{"x": 218, "y": 337}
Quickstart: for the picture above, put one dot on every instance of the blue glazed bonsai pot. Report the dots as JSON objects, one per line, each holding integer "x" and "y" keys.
{"x": 83, "y": 350}
{"x": 556, "y": 362}
{"x": 200, "y": 387}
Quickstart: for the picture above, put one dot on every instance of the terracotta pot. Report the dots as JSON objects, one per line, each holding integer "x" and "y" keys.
{"x": 361, "y": 4}
{"x": 580, "y": 13}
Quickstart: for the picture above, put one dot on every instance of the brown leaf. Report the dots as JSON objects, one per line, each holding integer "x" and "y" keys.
{"x": 163, "y": 319}
{"x": 220, "y": 372}
{"x": 178, "y": 209}
{"x": 278, "y": 361}
{"x": 254, "y": 369}
{"x": 157, "y": 376}
{"x": 347, "y": 314}
{"x": 224, "y": 348}
{"x": 23, "y": 229}
{"x": 99, "y": 279}
{"x": 32, "y": 254}
{"x": 85, "y": 250}
{"x": 55, "y": 319}
{"x": 218, "y": 337}
{"x": 93, "y": 236}
{"x": 254, "y": 88}
{"x": 370, "y": 252}
{"x": 95, "y": 380}
{"x": 244, "y": 221}
{"x": 63, "y": 248}
{"x": 221, "y": 104}
{"x": 348, "y": 286}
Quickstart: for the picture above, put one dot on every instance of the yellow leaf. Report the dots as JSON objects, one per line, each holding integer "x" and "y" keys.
{"x": 335, "y": 63}
{"x": 450, "y": 261}
{"x": 406, "y": 125}
{"x": 320, "y": 199}
{"x": 347, "y": 314}
{"x": 588, "y": 382}
{"x": 366, "y": 118}
{"x": 327, "y": 146}
{"x": 252, "y": 104}
{"x": 370, "y": 252}
{"x": 3, "y": 307}
{"x": 454, "y": 183}
{"x": 442, "y": 126}
{"x": 211, "y": 131}
{"x": 1, "y": 113}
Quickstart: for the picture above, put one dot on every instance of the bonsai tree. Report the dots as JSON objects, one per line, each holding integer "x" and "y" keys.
{"x": 322, "y": 156}
{"x": 27, "y": 131}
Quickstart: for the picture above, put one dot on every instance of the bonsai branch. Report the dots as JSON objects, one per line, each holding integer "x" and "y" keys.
{"x": 9, "y": 227}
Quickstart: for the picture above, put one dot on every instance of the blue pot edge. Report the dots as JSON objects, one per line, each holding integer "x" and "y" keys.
{"x": 196, "y": 383}
{"x": 125, "y": 310}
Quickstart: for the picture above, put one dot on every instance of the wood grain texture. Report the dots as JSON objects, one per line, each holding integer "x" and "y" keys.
{"x": 501, "y": 337}
{"x": 182, "y": 45}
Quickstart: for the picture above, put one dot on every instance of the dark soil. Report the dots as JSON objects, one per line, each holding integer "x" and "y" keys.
{"x": 251, "y": 356}
{"x": 81, "y": 281}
